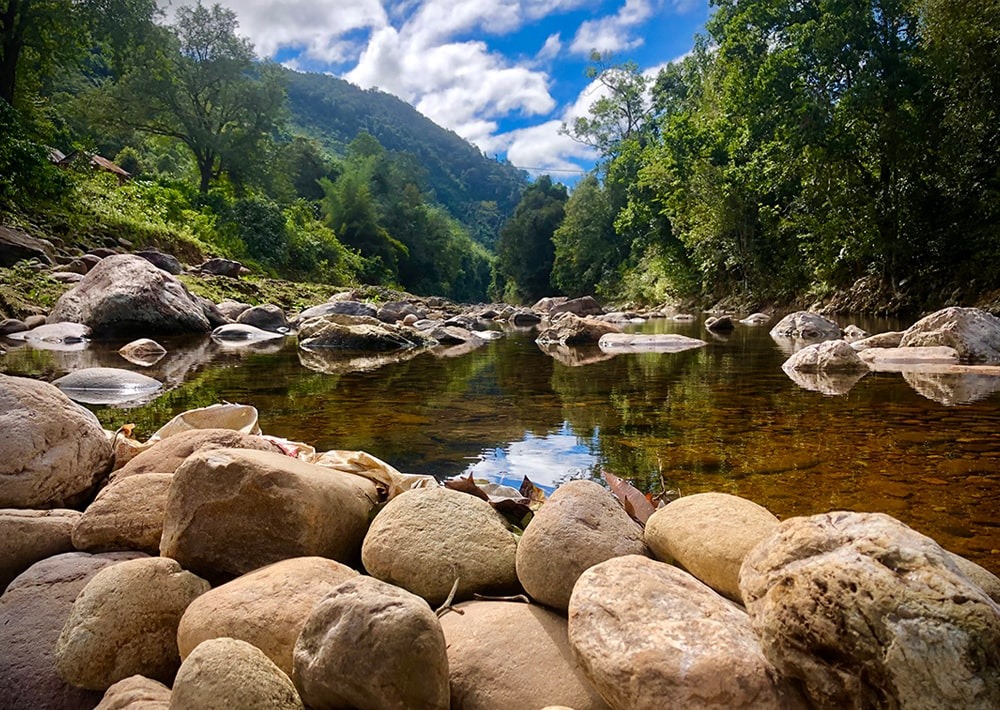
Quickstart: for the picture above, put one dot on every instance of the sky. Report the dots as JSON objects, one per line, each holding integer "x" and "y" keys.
{"x": 503, "y": 74}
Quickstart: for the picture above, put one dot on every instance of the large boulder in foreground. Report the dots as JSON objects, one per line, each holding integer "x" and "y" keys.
{"x": 370, "y": 644}
{"x": 126, "y": 296}
{"x": 229, "y": 674}
{"x": 126, "y": 515}
{"x": 973, "y": 332}
{"x": 645, "y": 631}
{"x": 53, "y": 452}
{"x": 124, "y": 623}
{"x": 806, "y": 325}
{"x": 505, "y": 655}
{"x": 709, "y": 534}
{"x": 33, "y": 611}
{"x": 867, "y": 612}
{"x": 580, "y": 525}
{"x": 32, "y": 535}
{"x": 828, "y": 356}
{"x": 425, "y": 539}
{"x": 267, "y": 607}
{"x": 166, "y": 455}
{"x": 230, "y": 511}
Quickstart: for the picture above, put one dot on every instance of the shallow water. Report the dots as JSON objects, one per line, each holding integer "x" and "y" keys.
{"x": 721, "y": 418}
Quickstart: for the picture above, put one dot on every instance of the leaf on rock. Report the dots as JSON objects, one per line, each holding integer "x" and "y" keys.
{"x": 534, "y": 494}
{"x": 466, "y": 484}
{"x": 635, "y": 503}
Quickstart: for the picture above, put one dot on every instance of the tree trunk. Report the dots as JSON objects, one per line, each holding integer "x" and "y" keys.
{"x": 11, "y": 43}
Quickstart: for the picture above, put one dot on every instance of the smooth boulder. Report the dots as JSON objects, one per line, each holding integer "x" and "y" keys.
{"x": 425, "y": 539}
{"x": 648, "y": 343}
{"x": 32, "y": 535}
{"x": 106, "y": 385}
{"x": 143, "y": 352}
{"x": 645, "y": 631}
{"x": 266, "y": 317}
{"x": 166, "y": 455}
{"x": 828, "y": 356}
{"x": 124, "y": 623}
{"x": 53, "y": 452}
{"x": 570, "y": 329}
{"x": 229, "y": 674}
{"x": 866, "y": 612}
{"x": 230, "y": 511}
{"x": 504, "y": 655}
{"x": 125, "y": 295}
{"x": 33, "y": 611}
{"x": 372, "y": 646}
{"x": 267, "y": 607}
{"x": 580, "y": 525}
{"x": 341, "y": 333}
{"x": 709, "y": 534}
{"x": 806, "y": 325}
{"x": 972, "y": 332}
{"x": 125, "y": 515}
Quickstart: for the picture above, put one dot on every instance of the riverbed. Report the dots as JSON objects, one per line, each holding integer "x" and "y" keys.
{"x": 720, "y": 418}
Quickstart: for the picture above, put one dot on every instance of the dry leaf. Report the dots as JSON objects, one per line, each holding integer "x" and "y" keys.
{"x": 635, "y": 503}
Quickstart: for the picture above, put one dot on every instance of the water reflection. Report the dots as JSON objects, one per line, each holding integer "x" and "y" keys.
{"x": 723, "y": 417}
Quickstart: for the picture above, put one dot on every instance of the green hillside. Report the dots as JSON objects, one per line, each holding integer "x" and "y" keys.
{"x": 478, "y": 191}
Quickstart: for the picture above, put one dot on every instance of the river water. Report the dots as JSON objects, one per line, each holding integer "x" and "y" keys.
{"x": 721, "y": 418}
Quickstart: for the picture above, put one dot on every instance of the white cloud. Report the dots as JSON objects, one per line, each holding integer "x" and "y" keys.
{"x": 550, "y": 50}
{"x": 614, "y": 33}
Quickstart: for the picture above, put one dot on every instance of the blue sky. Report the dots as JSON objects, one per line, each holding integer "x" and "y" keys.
{"x": 503, "y": 74}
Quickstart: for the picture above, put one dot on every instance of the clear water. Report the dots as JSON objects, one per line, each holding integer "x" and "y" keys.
{"x": 721, "y": 418}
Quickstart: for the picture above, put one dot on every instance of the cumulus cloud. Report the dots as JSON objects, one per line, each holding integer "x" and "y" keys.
{"x": 614, "y": 33}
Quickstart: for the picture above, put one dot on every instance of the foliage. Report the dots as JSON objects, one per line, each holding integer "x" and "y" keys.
{"x": 525, "y": 250}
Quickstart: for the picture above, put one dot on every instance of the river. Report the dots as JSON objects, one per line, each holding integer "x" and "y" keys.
{"x": 721, "y": 418}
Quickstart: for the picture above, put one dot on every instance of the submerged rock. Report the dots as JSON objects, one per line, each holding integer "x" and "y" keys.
{"x": 244, "y": 333}
{"x": 143, "y": 352}
{"x": 107, "y": 385}
{"x": 648, "y": 343}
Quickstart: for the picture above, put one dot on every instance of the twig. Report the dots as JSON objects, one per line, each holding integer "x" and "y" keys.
{"x": 446, "y": 607}
{"x": 515, "y": 598}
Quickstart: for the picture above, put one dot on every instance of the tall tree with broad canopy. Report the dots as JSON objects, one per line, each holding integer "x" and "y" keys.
{"x": 205, "y": 90}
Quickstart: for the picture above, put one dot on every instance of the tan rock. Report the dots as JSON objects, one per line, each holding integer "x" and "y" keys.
{"x": 866, "y": 612}
{"x": 973, "y": 332}
{"x": 425, "y": 539}
{"x": 507, "y": 655}
{"x": 53, "y": 452}
{"x": 230, "y": 511}
{"x": 828, "y": 356}
{"x": 267, "y": 607}
{"x": 709, "y": 534}
{"x": 806, "y": 325}
{"x": 168, "y": 454}
{"x": 124, "y": 623}
{"x": 228, "y": 674}
{"x": 143, "y": 352}
{"x": 580, "y": 525}
{"x": 32, "y": 535}
{"x": 570, "y": 329}
{"x": 136, "y": 693}
{"x": 126, "y": 515}
{"x": 33, "y": 611}
{"x": 980, "y": 576}
{"x": 372, "y": 646}
{"x": 644, "y": 631}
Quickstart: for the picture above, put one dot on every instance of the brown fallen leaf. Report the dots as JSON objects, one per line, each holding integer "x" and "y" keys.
{"x": 635, "y": 503}
{"x": 466, "y": 484}
{"x": 534, "y": 494}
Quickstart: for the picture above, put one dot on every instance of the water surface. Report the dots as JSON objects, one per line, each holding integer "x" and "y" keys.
{"x": 721, "y": 418}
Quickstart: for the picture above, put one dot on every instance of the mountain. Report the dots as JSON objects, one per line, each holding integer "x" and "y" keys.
{"x": 478, "y": 191}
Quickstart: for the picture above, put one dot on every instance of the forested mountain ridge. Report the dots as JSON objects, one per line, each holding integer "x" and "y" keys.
{"x": 478, "y": 191}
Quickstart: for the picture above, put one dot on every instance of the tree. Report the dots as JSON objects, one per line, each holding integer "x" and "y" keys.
{"x": 525, "y": 251}
{"x": 205, "y": 90}
{"x": 586, "y": 257}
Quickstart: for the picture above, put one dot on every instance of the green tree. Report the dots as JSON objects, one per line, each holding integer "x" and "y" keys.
{"x": 525, "y": 251}
{"x": 205, "y": 90}
{"x": 586, "y": 255}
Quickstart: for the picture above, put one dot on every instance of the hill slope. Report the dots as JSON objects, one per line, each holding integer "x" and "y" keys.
{"x": 476, "y": 190}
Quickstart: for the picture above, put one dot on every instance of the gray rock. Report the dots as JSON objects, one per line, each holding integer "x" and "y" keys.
{"x": 334, "y": 333}
{"x": 124, "y": 623}
{"x": 720, "y": 324}
{"x": 232, "y": 309}
{"x": 424, "y": 539}
{"x": 524, "y": 318}
{"x": 648, "y": 343}
{"x": 221, "y": 267}
{"x": 889, "y": 339}
{"x": 33, "y": 611}
{"x": 973, "y": 332}
{"x": 16, "y": 246}
{"x": 866, "y": 612}
{"x": 806, "y": 325}
{"x": 908, "y": 359}
{"x": 12, "y": 325}
{"x": 583, "y": 306}
{"x": 570, "y": 329}
{"x": 36, "y": 321}
{"x": 346, "y": 308}
{"x": 53, "y": 452}
{"x": 266, "y": 317}
{"x": 126, "y": 296}
{"x": 756, "y": 319}
{"x": 644, "y": 631}
{"x": 167, "y": 262}
{"x": 827, "y": 356}
{"x": 244, "y": 333}
{"x": 143, "y": 352}
{"x": 580, "y": 525}
{"x": 372, "y": 646}
{"x": 30, "y": 536}
{"x": 504, "y": 655}
{"x": 54, "y": 333}
{"x": 395, "y": 311}
{"x": 107, "y": 385}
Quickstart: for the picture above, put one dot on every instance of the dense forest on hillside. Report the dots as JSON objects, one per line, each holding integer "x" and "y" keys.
{"x": 302, "y": 176}
{"x": 846, "y": 150}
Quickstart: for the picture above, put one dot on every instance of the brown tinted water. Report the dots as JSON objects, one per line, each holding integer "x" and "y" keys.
{"x": 721, "y": 418}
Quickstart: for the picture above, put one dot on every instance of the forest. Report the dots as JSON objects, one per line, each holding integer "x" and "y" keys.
{"x": 800, "y": 150}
